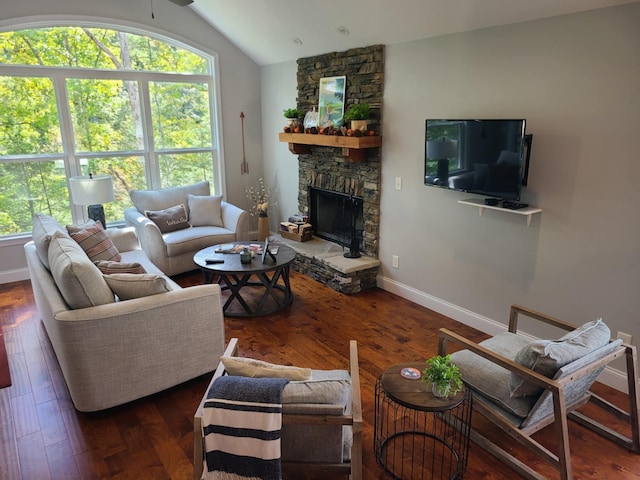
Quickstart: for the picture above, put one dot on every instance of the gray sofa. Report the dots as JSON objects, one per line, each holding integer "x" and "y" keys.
{"x": 114, "y": 351}
{"x": 172, "y": 252}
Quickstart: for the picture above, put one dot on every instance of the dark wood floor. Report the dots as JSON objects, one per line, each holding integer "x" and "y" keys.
{"x": 43, "y": 437}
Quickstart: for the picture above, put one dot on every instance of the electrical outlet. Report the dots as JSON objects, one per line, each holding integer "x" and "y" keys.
{"x": 398, "y": 183}
{"x": 395, "y": 261}
{"x": 625, "y": 337}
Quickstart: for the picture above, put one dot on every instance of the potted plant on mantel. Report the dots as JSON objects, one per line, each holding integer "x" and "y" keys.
{"x": 293, "y": 115}
{"x": 358, "y": 114}
{"x": 444, "y": 376}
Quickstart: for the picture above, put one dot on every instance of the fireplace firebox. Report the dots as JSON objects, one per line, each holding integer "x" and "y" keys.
{"x": 337, "y": 217}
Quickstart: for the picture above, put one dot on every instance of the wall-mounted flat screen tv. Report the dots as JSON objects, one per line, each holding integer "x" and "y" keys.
{"x": 485, "y": 157}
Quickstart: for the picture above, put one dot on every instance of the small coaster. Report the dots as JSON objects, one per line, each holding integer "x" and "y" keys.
{"x": 411, "y": 373}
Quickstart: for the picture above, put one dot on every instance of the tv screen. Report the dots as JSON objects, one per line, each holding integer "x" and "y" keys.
{"x": 486, "y": 157}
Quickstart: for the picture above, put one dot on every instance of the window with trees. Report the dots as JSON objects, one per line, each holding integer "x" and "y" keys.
{"x": 80, "y": 100}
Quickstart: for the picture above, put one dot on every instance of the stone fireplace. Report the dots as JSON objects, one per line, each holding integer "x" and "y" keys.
{"x": 325, "y": 168}
{"x": 348, "y": 191}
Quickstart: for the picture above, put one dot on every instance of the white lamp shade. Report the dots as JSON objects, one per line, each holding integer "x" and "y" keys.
{"x": 440, "y": 149}
{"x": 91, "y": 190}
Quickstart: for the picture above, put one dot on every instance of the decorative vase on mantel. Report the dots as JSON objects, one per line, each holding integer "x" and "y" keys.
{"x": 263, "y": 226}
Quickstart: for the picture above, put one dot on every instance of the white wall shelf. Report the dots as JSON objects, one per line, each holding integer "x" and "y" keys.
{"x": 529, "y": 212}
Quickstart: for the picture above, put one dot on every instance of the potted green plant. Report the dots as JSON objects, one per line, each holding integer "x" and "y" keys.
{"x": 444, "y": 376}
{"x": 292, "y": 113}
{"x": 358, "y": 114}
{"x": 294, "y": 116}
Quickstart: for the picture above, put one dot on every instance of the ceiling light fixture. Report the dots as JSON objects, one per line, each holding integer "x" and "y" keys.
{"x": 296, "y": 40}
{"x": 343, "y": 30}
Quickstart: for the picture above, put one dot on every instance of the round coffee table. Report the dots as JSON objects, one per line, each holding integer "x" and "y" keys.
{"x": 417, "y": 435}
{"x": 272, "y": 277}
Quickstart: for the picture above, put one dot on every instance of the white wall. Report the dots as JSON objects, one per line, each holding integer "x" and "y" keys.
{"x": 279, "y": 91}
{"x": 239, "y": 83}
{"x": 575, "y": 78}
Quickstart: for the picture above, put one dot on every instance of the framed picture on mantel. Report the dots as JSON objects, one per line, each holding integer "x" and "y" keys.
{"x": 331, "y": 101}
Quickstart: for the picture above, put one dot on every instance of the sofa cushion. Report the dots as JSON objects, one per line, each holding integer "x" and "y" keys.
{"x": 250, "y": 367}
{"x": 170, "y": 219}
{"x": 205, "y": 211}
{"x": 129, "y": 285}
{"x": 167, "y": 197}
{"x": 95, "y": 242}
{"x": 108, "y": 267}
{"x": 547, "y": 356}
{"x": 324, "y": 386}
{"x": 490, "y": 379}
{"x": 79, "y": 281}
{"x": 44, "y": 226}
{"x": 190, "y": 240}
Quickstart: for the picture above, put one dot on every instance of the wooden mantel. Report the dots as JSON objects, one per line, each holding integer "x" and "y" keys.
{"x": 353, "y": 148}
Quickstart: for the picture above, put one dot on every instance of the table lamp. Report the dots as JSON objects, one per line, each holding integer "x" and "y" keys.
{"x": 93, "y": 191}
{"x": 442, "y": 150}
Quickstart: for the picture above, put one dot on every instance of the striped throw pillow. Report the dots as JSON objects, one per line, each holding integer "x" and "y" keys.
{"x": 108, "y": 267}
{"x": 96, "y": 243}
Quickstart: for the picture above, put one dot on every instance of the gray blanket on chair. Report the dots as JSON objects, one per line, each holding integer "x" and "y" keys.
{"x": 242, "y": 418}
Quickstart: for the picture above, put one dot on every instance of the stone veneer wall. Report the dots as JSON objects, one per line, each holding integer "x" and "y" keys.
{"x": 325, "y": 167}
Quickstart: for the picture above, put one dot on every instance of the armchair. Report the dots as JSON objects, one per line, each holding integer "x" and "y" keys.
{"x": 316, "y": 435}
{"x": 173, "y": 251}
{"x": 494, "y": 371}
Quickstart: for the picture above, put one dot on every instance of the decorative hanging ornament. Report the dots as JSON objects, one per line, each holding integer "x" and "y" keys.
{"x": 244, "y": 166}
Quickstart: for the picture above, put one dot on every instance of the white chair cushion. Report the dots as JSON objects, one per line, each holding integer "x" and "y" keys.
{"x": 205, "y": 211}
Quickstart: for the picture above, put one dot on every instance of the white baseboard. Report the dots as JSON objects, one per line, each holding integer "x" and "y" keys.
{"x": 612, "y": 377}
{"x": 16, "y": 275}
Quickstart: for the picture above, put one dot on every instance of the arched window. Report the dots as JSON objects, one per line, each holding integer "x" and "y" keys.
{"x": 79, "y": 100}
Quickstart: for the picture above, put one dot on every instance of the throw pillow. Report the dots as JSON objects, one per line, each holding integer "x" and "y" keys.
{"x": 546, "y": 357}
{"x": 80, "y": 282}
{"x": 129, "y": 285}
{"x": 42, "y": 231}
{"x": 249, "y": 367}
{"x": 95, "y": 242}
{"x": 108, "y": 267}
{"x": 205, "y": 211}
{"x": 169, "y": 219}
{"x": 78, "y": 228}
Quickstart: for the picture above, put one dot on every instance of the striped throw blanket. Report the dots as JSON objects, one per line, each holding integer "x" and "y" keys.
{"x": 242, "y": 418}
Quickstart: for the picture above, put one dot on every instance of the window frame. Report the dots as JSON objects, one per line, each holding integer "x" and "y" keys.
{"x": 71, "y": 157}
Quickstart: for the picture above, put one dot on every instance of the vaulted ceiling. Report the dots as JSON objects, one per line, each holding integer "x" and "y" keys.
{"x": 275, "y": 31}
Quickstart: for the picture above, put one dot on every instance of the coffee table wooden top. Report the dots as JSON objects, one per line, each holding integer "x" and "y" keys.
{"x": 415, "y": 393}
{"x": 232, "y": 262}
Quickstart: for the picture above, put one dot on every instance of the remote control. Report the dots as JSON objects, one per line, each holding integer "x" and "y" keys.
{"x": 209, "y": 261}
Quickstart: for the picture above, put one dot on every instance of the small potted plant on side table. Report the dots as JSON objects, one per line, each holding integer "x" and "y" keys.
{"x": 444, "y": 376}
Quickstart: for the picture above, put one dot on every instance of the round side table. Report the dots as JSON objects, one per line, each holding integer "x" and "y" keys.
{"x": 417, "y": 435}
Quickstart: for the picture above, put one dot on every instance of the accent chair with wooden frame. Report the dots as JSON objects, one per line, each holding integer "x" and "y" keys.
{"x": 309, "y": 426}
{"x": 489, "y": 368}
